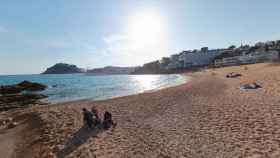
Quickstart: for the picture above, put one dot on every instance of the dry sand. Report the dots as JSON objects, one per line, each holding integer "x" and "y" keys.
{"x": 206, "y": 117}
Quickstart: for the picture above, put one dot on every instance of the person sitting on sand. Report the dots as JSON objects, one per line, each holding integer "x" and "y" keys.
{"x": 96, "y": 115}
{"x": 108, "y": 121}
{"x": 88, "y": 120}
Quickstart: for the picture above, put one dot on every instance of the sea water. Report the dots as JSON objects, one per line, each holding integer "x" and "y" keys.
{"x": 69, "y": 87}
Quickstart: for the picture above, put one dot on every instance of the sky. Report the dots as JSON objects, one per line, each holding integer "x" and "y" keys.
{"x": 36, "y": 34}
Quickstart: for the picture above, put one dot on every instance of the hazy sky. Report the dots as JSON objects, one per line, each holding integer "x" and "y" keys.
{"x": 35, "y": 34}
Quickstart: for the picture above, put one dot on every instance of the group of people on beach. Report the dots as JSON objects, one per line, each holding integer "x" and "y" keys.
{"x": 92, "y": 119}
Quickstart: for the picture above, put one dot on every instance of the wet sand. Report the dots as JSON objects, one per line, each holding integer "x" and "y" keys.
{"x": 206, "y": 117}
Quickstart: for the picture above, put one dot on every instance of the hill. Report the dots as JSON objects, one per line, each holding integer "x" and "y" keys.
{"x": 112, "y": 70}
{"x": 63, "y": 68}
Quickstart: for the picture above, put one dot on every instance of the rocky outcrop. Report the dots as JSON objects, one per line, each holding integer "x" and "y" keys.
{"x": 13, "y": 89}
{"x": 32, "y": 86}
{"x": 11, "y": 96}
{"x": 62, "y": 68}
{"x": 22, "y": 98}
{"x": 22, "y": 86}
{"x": 13, "y": 101}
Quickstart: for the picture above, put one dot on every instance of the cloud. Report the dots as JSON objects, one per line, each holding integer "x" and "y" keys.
{"x": 3, "y": 29}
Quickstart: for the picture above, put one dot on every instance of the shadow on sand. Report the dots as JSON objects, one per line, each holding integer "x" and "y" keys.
{"x": 79, "y": 138}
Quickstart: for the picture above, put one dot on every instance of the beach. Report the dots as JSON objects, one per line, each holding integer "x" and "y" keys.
{"x": 209, "y": 116}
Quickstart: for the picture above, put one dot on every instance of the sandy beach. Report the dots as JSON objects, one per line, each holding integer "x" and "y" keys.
{"x": 207, "y": 117}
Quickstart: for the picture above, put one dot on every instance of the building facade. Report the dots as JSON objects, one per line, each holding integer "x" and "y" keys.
{"x": 254, "y": 57}
{"x": 203, "y": 57}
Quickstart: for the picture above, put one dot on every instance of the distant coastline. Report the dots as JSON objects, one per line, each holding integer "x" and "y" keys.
{"x": 190, "y": 60}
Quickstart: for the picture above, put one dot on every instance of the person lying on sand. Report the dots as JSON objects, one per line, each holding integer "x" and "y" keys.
{"x": 108, "y": 121}
{"x": 88, "y": 120}
{"x": 253, "y": 85}
{"x": 233, "y": 75}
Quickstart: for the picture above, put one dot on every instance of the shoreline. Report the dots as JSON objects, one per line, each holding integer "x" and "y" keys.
{"x": 206, "y": 117}
{"x": 184, "y": 79}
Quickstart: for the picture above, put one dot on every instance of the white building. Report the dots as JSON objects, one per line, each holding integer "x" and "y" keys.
{"x": 259, "y": 56}
{"x": 255, "y": 57}
{"x": 198, "y": 58}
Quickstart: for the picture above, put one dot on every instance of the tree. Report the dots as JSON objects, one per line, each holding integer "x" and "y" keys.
{"x": 232, "y": 47}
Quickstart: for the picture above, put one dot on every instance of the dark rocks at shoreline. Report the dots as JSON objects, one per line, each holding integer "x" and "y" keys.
{"x": 22, "y": 86}
{"x": 13, "y": 101}
{"x": 11, "y": 96}
{"x": 32, "y": 86}
{"x": 11, "y": 89}
{"x": 22, "y": 98}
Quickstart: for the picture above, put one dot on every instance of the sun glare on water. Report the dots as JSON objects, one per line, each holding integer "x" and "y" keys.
{"x": 146, "y": 81}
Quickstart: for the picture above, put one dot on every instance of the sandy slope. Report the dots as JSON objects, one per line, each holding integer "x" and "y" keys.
{"x": 8, "y": 143}
{"x": 207, "y": 117}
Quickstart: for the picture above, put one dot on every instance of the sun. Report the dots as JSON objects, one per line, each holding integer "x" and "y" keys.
{"x": 146, "y": 28}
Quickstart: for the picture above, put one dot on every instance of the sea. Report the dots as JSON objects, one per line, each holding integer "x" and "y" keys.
{"x": 70, "y": 87}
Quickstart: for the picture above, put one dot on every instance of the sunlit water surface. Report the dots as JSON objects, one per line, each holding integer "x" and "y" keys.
{"x": 69, "y": 87}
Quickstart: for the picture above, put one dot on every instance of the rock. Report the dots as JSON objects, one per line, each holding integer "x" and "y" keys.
{"x": 5, "y": 107}
{"x": 12, "y": 125}
{"x": 25, "y": 85}
{"x": 11, "y": 96}
{"x": 3, "y": 123}
{"x": 12, "y": 89}
{"x": 22, "y": 98}
{"x": 54, "y": 86}
{"x": 6, "y": 121}
{"x": 31, "y": 86}
{"x": 10, "y": 119}
{"x": 19, "y": 100}
{"x": 59, "y": 147}
{"x": 43, "y": 103}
